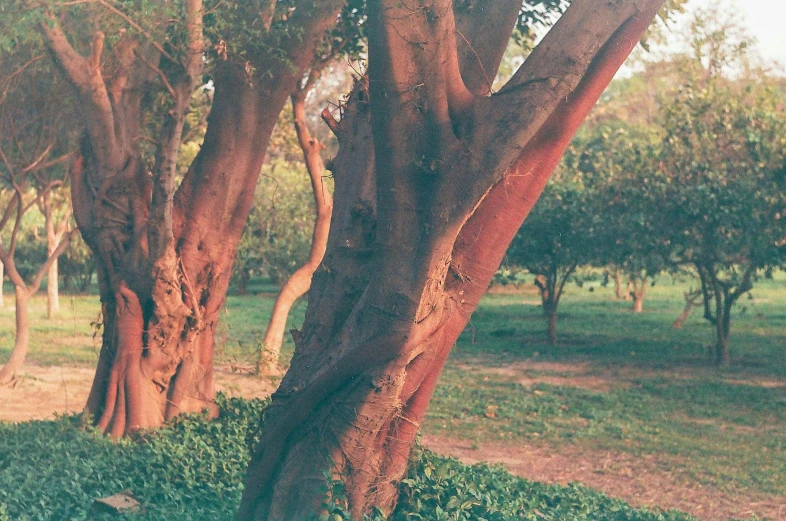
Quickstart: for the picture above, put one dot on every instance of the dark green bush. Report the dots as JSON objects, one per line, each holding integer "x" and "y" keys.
{"x": 194, "y": 468}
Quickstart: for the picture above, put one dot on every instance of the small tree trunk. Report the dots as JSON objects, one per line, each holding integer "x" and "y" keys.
{"x": 639, "y": 289}
{"x": 2, "y": 278}
{"x": 22, "y": 339}
{"x": 245, "y": 276}
{"x": 622, "y": 295}
{"x": 690, "y": 302}
{"x": 299, "y": 283}
{"x": 722, "y": 356}
{"x": 52, "y": 291}
{"x": 551, "y": 318}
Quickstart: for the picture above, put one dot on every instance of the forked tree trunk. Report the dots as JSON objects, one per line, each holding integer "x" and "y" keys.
{"x": 639, "y": 290}
{"x": 724, "y": 304}
{"x": 299, "y": 282}
{"x": 164, "y": 253}
{"x": 419, "y": 230}
{"x": 23, "y": 292}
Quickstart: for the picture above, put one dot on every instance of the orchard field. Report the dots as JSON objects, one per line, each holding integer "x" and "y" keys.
{"x": 625, "y": 403}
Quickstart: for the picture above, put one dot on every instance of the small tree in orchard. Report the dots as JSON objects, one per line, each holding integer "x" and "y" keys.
{"x": 434, "y": 176}
{"x": 723, "y": 163}
{"x": 619, "y": 157}
{"x": 560, "y": 234}
{"x": 34, "y": 144}
{"x": 724, "y": 159}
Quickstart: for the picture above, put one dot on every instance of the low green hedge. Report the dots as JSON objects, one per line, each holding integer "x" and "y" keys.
{"x": 194, "y": 468}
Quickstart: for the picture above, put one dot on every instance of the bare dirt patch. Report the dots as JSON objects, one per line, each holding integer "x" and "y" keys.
{"x": 637, "y": 480}
{"x": 42, "y": 392}
{"x": 530, "y": 373}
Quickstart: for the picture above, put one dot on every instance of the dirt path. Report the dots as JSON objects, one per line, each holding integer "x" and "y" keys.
{"x": 42, "y": 392}
{"x": 45, "y": 391}
{"x": 639, "y": 481}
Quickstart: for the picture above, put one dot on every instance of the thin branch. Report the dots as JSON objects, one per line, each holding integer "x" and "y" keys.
{"x": 139, "y": 28}
{"x": 159, "y": 72}
{"x": 64, "y": 243}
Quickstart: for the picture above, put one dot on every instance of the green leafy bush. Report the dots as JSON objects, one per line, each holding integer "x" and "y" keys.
{"x": 194, "y": 468}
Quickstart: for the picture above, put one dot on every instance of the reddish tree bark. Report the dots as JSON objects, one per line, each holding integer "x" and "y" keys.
{"x": 420, "y": 225}
{"x": 164, "y": 252}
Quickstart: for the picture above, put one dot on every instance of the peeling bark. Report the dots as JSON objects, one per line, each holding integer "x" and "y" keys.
{"x": 421, "y": 223}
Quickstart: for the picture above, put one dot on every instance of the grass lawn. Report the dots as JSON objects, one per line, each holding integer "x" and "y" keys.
{"x": 618, "y": 381}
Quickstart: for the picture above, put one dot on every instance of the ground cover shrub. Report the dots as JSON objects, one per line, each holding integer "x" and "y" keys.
{"x": 193, "y": 470}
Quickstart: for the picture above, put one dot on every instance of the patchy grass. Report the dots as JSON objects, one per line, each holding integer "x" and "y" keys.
{"x": 722, "y": 427}
{"x": 618, "y": 381}
{"x": 193, "y": 469}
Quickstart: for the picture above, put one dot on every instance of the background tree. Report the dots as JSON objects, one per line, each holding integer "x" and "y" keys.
{"x": 419, "y": 231}
{"x": 723, "y": 163}
{"x": 34, "y": 142}
{"x": 164, "y": 250}
{"x": 559, "y": 235}
{"x": 620, "y": 156}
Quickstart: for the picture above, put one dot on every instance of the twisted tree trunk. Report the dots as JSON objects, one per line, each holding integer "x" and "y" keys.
{"x": 299, "y": 282}
{"x": 420, "y": 225}
{"x": 164, "y": 252}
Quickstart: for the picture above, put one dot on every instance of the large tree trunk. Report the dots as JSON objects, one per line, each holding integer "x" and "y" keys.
{"x": 299, "y": 282}
{"x": 164, "y": 253}
{"x": 22, "y": 338}
{"x": 419, "y": 228}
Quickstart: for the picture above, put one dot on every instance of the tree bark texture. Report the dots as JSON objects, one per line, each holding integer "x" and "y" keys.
{"x": 165, "y": 252}
{"x": 299, "y": 282}
{"x": 433, "y": 180}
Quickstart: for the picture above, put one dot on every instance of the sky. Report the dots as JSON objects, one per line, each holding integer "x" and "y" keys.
{"x": 764, "y": 20}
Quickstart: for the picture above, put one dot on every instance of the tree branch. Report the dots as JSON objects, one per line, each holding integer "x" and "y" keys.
{"x": 61, "y": 247}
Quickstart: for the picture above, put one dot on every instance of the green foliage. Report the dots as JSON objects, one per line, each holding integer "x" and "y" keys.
{"x": 277, "y": 237}
{"x": 441, "y": 489}
{"x": 193, "y": 469}
{"x": 77, "y": 266}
